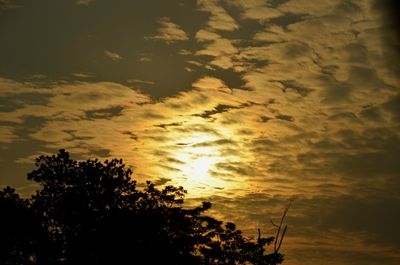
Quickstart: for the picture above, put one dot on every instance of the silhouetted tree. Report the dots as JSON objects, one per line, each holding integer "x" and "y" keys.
{"x": 15, "y": 226}
{"x": 92, "y": 213}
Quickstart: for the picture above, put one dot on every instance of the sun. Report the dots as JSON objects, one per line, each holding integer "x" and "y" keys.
{"x": 200, "y": 159}
{"x": 200, "y": 167}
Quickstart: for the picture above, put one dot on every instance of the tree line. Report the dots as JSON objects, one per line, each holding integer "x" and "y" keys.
{"x": 92, "y": 212}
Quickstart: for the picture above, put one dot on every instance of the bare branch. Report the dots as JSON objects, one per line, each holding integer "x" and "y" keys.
{"x": 280, "y": 242}
{"x": 280, "y": 226}
{"x": 272, "y": 222}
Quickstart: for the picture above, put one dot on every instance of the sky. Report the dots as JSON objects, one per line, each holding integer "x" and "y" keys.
{"x": 249, "y": 104}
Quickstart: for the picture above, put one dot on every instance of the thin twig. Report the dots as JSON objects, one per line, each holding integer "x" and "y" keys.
{"x": 272, "y": 222}
{"x": 280, "y": 242}
{"x": 280, "y": 226}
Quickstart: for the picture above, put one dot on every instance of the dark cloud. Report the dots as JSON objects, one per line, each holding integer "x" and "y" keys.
{"x": 372, "y": 113}
{"x": 166, "y": 125}
{"x": 264, "y": 119}
{"x": 284, "y": 117}
{"x": 152, "y": 115}
{"x": 9, "y": 4}
{"x": 221, "y": 108}
{"x": 199, "y": 128}
{"x": 335, "y": 91}
{"x": 246, "y": 132}
{"x": 356, "y": 53}
{"x": 347, "y": 7}
{"x": 218, "y": 142}
{"x": 161, "y": 181}
{"x": 372, "y": 153}
{"x": 13, "y": 171}
{"x": 347, "y": 117}
{"x": 393, "y": 106}
{"x": 294, "y": 50}
{"x": 100, "y": 152}
{"x": 264, "y": 145}
{"x": 237, "y": 169}
{"x": 174, "y": 161}
{"x": 291, "y": 85}
{"x": 370, "y": 216}
{"x": 169, "y": 168}
{"x": 131, "y": 135}
{"x": 365, "y": 78}
{"x": 286, "y": 20}
{"x": 390, "y": 32}
{"x": 75, "y": 41}
{"x": 107, "y": 113}
{"x": 15, "y": 101}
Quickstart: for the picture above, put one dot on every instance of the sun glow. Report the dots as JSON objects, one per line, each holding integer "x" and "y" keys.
{"x": 200, "y": 160}
{"x": 199, "y": 168}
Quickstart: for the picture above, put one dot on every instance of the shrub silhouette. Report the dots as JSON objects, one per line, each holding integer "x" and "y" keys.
{"x": 92, "y": 213}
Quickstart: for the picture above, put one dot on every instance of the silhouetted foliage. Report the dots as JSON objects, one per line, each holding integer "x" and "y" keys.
{"x": 92, "y": 213}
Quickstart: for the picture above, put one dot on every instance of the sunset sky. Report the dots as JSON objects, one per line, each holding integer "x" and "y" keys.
{"x": 249, "y": 104}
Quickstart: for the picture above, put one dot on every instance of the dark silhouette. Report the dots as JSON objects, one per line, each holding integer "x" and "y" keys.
{"x": 92, "y": 213}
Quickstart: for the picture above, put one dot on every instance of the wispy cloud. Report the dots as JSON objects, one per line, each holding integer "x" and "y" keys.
{"x": 8, "y": 4}
{"x": 83, "y": 75}
{"x": 7, "y": 134}
{"x": 169, "y": 31}
{"x": 256, "y": 9}
{"x": 219, "y": 19}
{"x": 84, "y": 2}
{"x": 315, "y": 117}
{"x": 221, "y": 49}
{"x": 112, "y": 55}
{"x": 139, "y": 81}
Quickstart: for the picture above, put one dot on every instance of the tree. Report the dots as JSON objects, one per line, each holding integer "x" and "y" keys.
{"x": 92, "y": 213}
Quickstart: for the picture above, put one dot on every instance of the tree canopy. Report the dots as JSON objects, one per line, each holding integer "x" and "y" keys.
{"x": 92, "y": 212}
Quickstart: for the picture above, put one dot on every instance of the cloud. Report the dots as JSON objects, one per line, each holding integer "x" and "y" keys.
{"x": 113, "y": 55}
{"x": 393, "y": 107}
{"x": 140, "y": 82}
{"x": 256, "y": 10}
{"x": 211, "y": 83}
{"x": 306, "y": 7}
{"x": 218, "y": 47}
{"x": 145, "y": 59}
{"x": 83, "y": 75}
{"x": 164, "y": 126}
{"x": 9, "y": 4}
{"x": 7, "y": 134}
{"x": 169, "y": 32}
{"x": 84, "y": 2}
{"x": 104, "y": 113}
{"x": 312, "y": 115}
{"x": 221, "y": 108}
{"x": 219, "y": 19}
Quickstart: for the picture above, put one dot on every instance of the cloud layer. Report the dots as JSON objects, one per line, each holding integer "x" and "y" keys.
{"x": 275, "y": 101}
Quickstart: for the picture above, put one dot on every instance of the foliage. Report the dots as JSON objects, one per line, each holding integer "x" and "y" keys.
{"x": 92, "y": 213}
